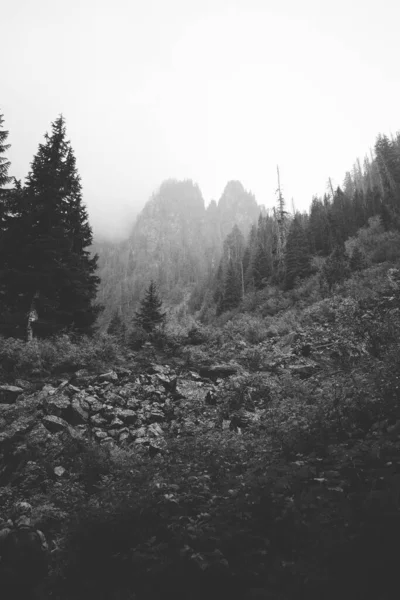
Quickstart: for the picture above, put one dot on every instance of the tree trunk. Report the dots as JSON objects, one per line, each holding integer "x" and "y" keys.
{"x": 32, "y": 316}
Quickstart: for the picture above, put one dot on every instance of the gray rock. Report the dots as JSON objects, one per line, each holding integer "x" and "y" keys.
{"x": 219, "y": 371}
{"x": 9, "y": 393}
{"x": 59, "y": 471}
{"x": 127, "y": 416}
{"x": 54, "y": 424}
{"x": 59, "y": 406}
{"x": 124, "y": 436}
{"x": 94, "y": 404}
{"x": 74, "y": 389}
{"x": 100, "y": 435}
{"x": 114, "y": 399}
{"x": 116, "y": 423}
{"x": 97, "y": 420}
{"x": 78, "y": 415}
{"x": 110, "y": 376}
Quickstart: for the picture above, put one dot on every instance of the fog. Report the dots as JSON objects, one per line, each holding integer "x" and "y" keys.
{"x": 206, "y": 90}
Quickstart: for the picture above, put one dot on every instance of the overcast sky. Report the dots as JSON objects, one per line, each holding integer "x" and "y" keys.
{"x": 208, "y": 90}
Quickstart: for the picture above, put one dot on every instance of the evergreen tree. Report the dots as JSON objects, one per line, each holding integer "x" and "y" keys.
{"x": 117, "y": 327}
{"x": 357, "y": 260}
{"x": 297, "y": 254}
{"x": 150, "y": 314}
{"x": 232, "y": 288}
{"x": 4, "y": 163}
{"x": 336, "y": 267}
{"x": 261, "y": 267}
{"x": 52, "y": 277}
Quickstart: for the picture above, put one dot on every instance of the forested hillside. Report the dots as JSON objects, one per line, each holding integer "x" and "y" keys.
{"x": 229, "y": 424}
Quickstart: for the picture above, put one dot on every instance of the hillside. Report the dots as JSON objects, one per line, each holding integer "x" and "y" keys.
{"x": 256, "y": 460}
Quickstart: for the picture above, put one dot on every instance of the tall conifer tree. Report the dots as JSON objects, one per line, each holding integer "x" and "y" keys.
{"x": 53, "y": 276}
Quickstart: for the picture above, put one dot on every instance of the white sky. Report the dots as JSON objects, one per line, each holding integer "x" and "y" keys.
{"x": 210, "y": 90}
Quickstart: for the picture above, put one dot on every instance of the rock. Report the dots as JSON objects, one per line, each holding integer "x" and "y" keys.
{"x": 59, "y": 406}
{"x": 78, "y": 415}
{"x": 114, "y": 433}
{"x": 95, "y": 405}
{"x": 219, "y": 371}
{"x": 115, "y": 399}
{"x": 116, "y": 423}
{"x": 133, "y": 403}
{"x": 100, "y": 434}
{"x": 17, "y": 429}
{"x": 123, "y": 436}
{"x": 109, "y": 412}
{"x": 155, "y": 430}
{"x": 59, "y": 471}
{"x": 111, "y": 376}
{"x": 108, "y": 441}
{"x": 156, "y": 416}
{"x": 9, "y": 393}
{"x": 74, "y": 389}
{"x": 126, "y": 415}
{"x": 54, "y": 424}
{"x": 83, "y": 377}
{"x": 97, "y": 420}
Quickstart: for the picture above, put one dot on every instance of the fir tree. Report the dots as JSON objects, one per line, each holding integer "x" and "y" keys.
{"x": 117, "y": 327}
{"x": 150, "y": 314}
{"x": 53, "y": 275}
{"x": 261, "y": 267}
{"x": 297, "y": 254}
{"x": 336, "y": 267}
{"x": 357, "y": 260}
{"x": 232, "y": 288}
{"x": 4, "y": 163}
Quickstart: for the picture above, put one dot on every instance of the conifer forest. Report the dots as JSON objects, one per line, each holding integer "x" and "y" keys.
{"x": 208, "y": 407}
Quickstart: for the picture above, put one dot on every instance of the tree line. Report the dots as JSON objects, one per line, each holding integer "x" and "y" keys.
{"x": 280, "y": 246}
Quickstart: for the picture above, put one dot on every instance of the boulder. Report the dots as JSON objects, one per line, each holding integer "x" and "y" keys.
{"x": 115, "y": 399}
{"x": 59, "y": 406}
{"x": 116, "y": 422}
{"x": 95, "y": 405}
{"x": 98, "y": 421}
{"x": 59, "y": 471}
{"x": 54, "y": 424}
{"x": 16, "y": 429}
{"x": 156, "y": 416}
{"x": 124, "y": 436}
{"x": 100, "y": 434}
{"x": 78, "y": 415}
{"x": 127, "y": 416}
{"x": 9, "y": 393}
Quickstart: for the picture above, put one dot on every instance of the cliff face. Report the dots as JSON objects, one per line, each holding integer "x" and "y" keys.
{"x": 176, "y": 240}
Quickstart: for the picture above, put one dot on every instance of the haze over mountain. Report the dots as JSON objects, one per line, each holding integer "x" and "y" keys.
{"x": 208, "y": 91}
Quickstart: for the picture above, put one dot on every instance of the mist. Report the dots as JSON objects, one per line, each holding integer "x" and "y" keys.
{"x": 209, "y": 91}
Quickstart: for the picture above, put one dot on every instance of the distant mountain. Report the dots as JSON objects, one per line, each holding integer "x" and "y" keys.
{"x": 175, "y": 240}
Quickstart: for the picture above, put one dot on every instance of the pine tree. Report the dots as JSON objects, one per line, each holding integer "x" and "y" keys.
{"x": 150, "y": 314}
{"x": 117, "y": 327}
{"x": 4, "y": 163}
{"x": 232, "y": 288}
{"x": 297, "y": 254}
{"x": 336, "y": 267}
{"x": 261, "y": 267}
{"x": 357, "y": 260}
{"x": 52, "y": 278}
